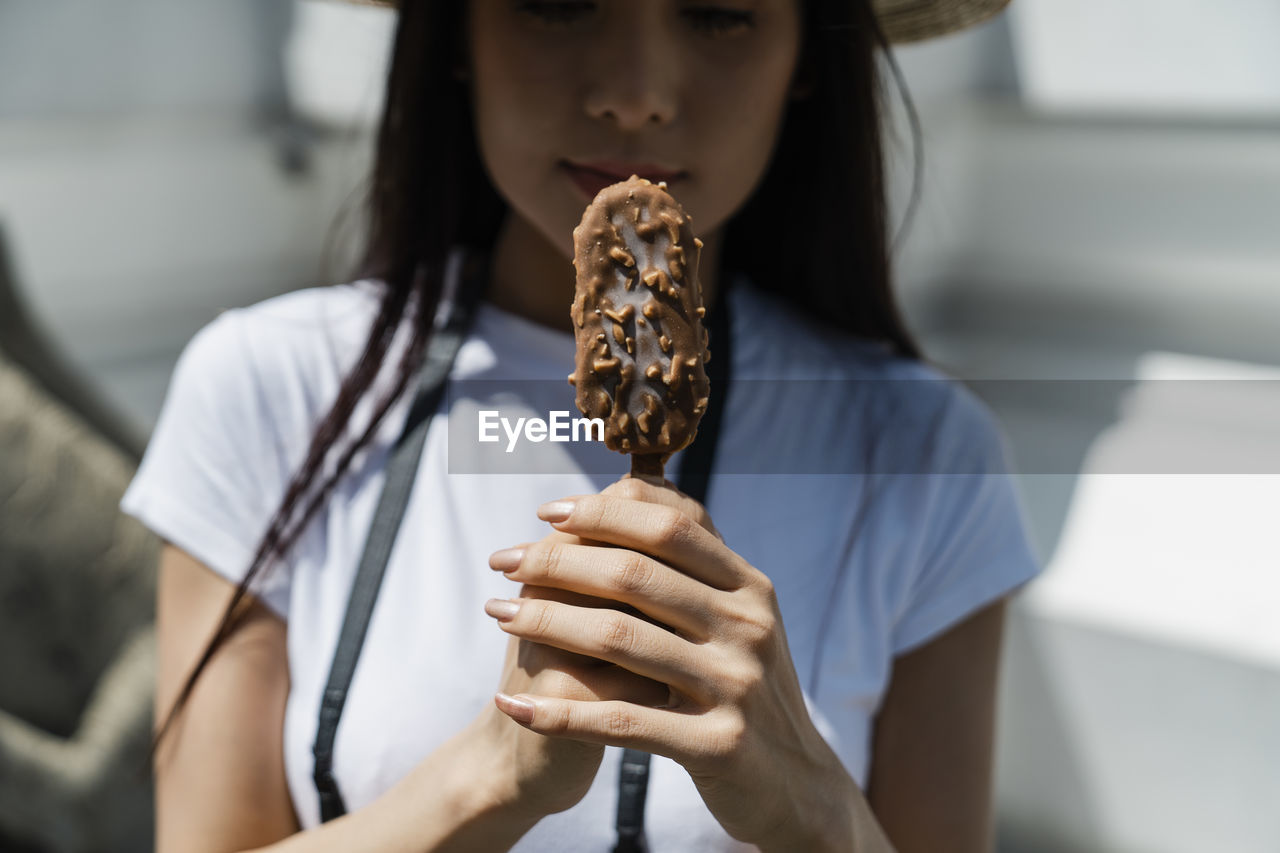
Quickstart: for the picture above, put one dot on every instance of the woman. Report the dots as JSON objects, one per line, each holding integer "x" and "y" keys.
{"x": 813, "y": 671}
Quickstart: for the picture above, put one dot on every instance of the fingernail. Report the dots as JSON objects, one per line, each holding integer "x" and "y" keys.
{"x": 501, "y": 609}
{"x": 555, "y": 511}
{"x": 520, "y": 710}
{"x": 506, "y": 560}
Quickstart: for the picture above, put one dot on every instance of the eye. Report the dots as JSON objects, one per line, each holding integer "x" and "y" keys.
{"x": 719, "y": 20}
{"x": 556, "y": 12}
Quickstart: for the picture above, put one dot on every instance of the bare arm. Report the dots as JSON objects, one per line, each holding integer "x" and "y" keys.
{"x": 931, "y": 777}
{"x": 220, "y": 778}
{"x": 224, "y": 756}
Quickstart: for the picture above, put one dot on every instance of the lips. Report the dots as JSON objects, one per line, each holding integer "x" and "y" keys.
{"x": 593, "y": 176}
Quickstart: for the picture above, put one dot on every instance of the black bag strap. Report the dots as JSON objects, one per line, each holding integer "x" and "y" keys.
{"x": 693, "y": 479}
{"x": 401, "y": 470}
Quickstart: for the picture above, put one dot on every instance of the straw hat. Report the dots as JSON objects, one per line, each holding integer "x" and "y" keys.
{"x": 913, "y": 20}
{"x": 903, "y": 20}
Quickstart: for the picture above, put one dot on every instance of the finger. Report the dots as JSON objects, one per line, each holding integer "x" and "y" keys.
{"x": 605, "y": 634}
{"x": 694, "y": 739}
{"x": 633, "y": 488}
{"x": 613, "y": 683}
{"x": 662, "y": 532}
{"x": 617, "y": 574}
{"x": 558, "y": 674}
{"x": 578, "y": 599}
{"x": 564, "y": 596}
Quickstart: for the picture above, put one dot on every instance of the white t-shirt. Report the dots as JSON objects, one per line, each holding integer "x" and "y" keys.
{"x": 866, "y": 566}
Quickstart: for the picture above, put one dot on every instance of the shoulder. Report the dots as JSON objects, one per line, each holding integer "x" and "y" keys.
{"x": 240, "y": 410}
{"x": 256, "y": 380}
{"x": 280, "y": 347}
{"x": 311, "y": 320}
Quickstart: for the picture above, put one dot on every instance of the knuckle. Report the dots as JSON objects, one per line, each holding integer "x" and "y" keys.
{"x": 742, "y": 679}
{"x": 557, "y": 719}
{"x": 671, "y": 527}
{"x": 630, "y": 489}
{"x": 766, "y": 587}
{"x": 759, "y": 583}
{"x": 633, "y": 573}
{"x": 725, "y": 739}
{"x": 755, "y": 623}
{"x": 541, "y": 620}
{"x": 760, "y": 587}
{"x": 733, "y": 736}
{"x": 588, "y": 512}
{"x": 759, "y": 631}
{"x": 546, "y": 560}
{"x": 617, "y": 634}
{"x": 617, "y": 723}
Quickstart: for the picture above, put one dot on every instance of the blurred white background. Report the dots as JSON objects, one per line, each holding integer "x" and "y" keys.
{"x": 1101, "y": 202}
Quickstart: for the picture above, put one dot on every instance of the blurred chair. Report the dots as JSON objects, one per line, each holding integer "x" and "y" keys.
{"x": 77, "y": 586}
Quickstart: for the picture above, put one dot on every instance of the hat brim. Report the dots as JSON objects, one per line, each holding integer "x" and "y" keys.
{"x": 915, "y": 20}
{"x": 902, "y": 20}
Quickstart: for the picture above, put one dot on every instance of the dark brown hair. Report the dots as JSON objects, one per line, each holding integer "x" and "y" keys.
{"x": 429, "y": 194}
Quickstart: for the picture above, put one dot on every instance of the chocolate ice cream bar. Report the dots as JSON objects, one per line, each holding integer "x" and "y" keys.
{"x": 638, "y": 316}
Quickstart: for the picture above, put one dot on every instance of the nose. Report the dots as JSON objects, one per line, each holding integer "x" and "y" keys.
{"x": 634, "y": 80}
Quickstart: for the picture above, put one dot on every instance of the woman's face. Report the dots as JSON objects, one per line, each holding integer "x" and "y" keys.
{"x": 572, "y": 96}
